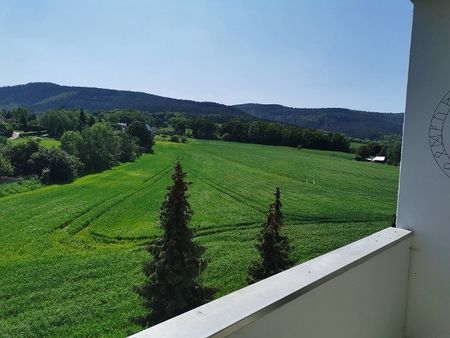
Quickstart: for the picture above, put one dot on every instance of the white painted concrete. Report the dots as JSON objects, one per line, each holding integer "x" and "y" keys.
{"x": 355, "y": 291}
{"x": 424, "y": 194}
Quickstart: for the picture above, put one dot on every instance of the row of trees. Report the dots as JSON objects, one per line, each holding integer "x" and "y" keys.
{"x": 206, "y": 127}
{"x": 175, "y": 260}
{"x": 94, "y": 149}
{"x": 56, "y": 122}
{"x": 272, "y": 133}
{"x": 17, "y": 118}
{"x": 261, "y": 132}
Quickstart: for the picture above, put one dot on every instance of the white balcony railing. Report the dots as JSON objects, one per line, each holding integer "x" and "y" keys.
{"x": 359, "y": 290}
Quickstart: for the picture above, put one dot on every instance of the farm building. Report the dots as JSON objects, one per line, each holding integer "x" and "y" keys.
{"x": 378, "y": 159}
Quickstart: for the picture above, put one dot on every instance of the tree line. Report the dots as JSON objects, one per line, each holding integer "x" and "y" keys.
{"x": 273, "y": 133}
{"x": 100, "y": 148}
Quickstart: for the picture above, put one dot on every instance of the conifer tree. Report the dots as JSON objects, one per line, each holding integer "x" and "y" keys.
{"x": 273, "y": 247}
{"x": 171, "y": 286}
{"x": 278, "y": 215}
{"x": 82, "y": 120}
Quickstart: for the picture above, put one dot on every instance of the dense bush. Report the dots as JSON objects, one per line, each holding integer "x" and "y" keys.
{"x": 100, "y": 148}
{"x": 71, "y": 142}
{"x": 203, "y": 128}
{"x": 54, "y": 165}
{"x": 178, "y": 122}
{"x": 6, "y": 129}
{"x": 20, "y": 154}
{"x": 128, "y": 148}
{"x": 393, "y": 153}
{"x": 174, "y": 138}
{"x": 140, "y": 130}
{"x": 6, "y": 168}
{"x": 3, "y": 143}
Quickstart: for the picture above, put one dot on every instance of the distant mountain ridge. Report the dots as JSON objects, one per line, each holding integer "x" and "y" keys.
{"x": 42, "y": 96}
{"x": 356, "y": 123}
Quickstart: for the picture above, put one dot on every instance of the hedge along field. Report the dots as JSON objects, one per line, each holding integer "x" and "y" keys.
{"x": 70, "y": 254}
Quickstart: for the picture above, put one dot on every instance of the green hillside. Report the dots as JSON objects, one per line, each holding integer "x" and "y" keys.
{"x": 70, "y": 254}
{"x": 42, "y": 96}
{"x": 356, "y": 123}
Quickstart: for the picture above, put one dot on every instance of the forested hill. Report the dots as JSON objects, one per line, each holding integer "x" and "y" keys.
{"x": 43, "y": 96}
{"x": 354, "y": 123}
{"x": 39, "y": 97}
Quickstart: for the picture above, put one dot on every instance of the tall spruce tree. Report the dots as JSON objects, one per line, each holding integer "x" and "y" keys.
{"x": 274, "y": 248}
{"x": 172, "y": 287}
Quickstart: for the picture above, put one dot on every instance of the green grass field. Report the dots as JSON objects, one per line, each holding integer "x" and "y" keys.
{"x": 70, "y": 254}
{"x": 45, "y": 141}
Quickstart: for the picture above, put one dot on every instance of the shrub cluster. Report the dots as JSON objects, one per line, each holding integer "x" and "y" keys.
{"x": 51, "y": 165}
{"x": 100, "y": 147}
{"x": 94, "y": 149}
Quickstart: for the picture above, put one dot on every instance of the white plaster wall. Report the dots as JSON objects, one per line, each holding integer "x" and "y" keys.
{"x": 424, "y": 196}
{"x": 368, "y": 301}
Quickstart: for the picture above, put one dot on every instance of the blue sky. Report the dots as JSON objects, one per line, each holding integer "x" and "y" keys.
{"x": 301, "y": 53}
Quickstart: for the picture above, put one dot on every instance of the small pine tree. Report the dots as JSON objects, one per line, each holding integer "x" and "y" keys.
{"x": 278, "y": 215}
{"x": 172, "y": 287}
{"x": 273, "y": 247}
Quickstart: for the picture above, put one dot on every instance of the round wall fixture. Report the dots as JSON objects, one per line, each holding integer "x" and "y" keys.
{"x": 436, "y": 135}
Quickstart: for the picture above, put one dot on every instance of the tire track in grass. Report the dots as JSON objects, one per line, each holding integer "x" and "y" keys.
{"x": 296, "y": 219}
{"x": 101, "y": 238}
{"x": 121, "y": 199}
{"x": 268, "y": 174}
{"x": 234, "y": 195}
{"x": 67, "y": 223}
{"x": 114, "y": 201}
{"x": 226, "y": 228}
{"x": 72, "y": 229}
